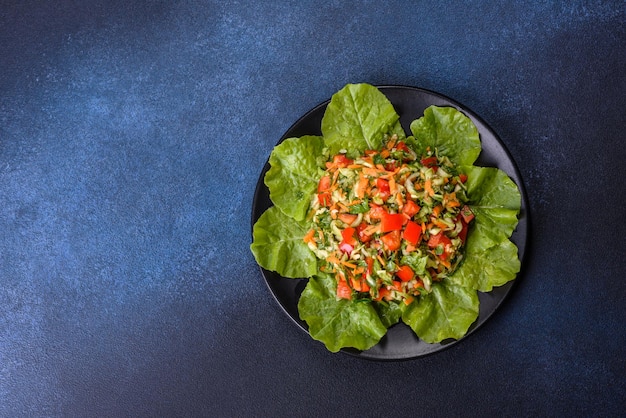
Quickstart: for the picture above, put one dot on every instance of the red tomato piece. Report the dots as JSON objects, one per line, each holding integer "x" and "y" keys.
{"x": 360, "y": 231}
{"x": 405, "y": 273}
{"x": 324, "y": 184}
{"x": 401, "y": 146}
{"x": 440, "y": 239}
{"x": 392, "y": 166}
{"x": 429, "y": 161}
{"x": 340, "y": 160}
{"x": 376, "y": 212}
{"x": 383, "y": 293}
{"x": 383, "y": 188}
{"x": 410, "y": 208}
{"x": 392, "y": 240}
{"x": 324, "y": 199}
{"x": 467, "y": 214}
{"x": 343, "y": 290}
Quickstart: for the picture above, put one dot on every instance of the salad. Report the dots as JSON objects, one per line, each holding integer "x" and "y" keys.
{"x": 387, "y": 227}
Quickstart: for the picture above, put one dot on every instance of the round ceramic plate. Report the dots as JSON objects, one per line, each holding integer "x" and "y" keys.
{"x": 400, "y": 342}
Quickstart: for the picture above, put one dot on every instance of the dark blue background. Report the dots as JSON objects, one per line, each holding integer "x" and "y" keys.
{"x": 132, "y": 135}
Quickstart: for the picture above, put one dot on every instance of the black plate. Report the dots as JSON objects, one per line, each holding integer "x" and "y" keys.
{"x": 410, "y": 102}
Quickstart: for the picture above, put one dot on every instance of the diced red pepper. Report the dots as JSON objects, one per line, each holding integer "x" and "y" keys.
{"x": 463, "y": 177}
{"x": 392, "y": 240}
{"x": 348, "y": 236}
{"x": 405, "y": 273}
{"x": 392, "y": 222}
{"x": 412, "y": 232}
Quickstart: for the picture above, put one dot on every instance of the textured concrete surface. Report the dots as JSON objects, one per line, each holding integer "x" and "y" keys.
{"x": 132, "y": 135}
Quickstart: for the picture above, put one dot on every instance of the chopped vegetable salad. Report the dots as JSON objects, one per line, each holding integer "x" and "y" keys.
{"x": 389, "y": 223}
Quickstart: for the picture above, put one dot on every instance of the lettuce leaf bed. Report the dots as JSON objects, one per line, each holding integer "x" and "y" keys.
{"x": 357, "y": 118}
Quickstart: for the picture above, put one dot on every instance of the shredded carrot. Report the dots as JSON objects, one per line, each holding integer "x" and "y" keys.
{"x": 384, "y": 153}
{"x": 362, "y": 186}
{"x": 348, "y": 264}
{"x": 372, "y": 172}
{"x": 407, "y": 300}
{"x": 437, "y": 211}
{"x": 392, "y": 185}
{"x": 343, "y": 207}
{"x": 309, "y": 236}
{"x": 429, "y": 187}
{"x": 358, "y": 270}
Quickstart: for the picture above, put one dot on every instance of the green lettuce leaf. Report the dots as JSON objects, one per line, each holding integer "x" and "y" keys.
{"x": 446, "y": 312}
{"x": 485, "y": 269}
{"x": 388, "y": 312}
{"x": 448, "y": 131}
{"x": 293, "y": 175}
{"x": 357, "y": 118}
{"x": 496, "y": 201}
{"x": 277, "y": 245}
{"x": 338, "y": 323}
